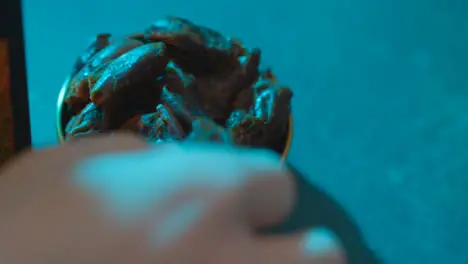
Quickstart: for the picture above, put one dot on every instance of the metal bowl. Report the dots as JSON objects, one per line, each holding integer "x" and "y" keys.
{"x": 63, "y": 118}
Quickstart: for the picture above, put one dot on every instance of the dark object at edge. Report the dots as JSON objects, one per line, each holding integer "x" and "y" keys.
{"x": 11, "y": 14}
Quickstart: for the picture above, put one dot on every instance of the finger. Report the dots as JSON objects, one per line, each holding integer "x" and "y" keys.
{"x": 104, "y": 143}
{"x": 58, "y": 160}
{"x": 316, "y": 246}
{"x": 92, "y": 144}
{"x": 268, "y": 191}
{"x": 263, "y": 191}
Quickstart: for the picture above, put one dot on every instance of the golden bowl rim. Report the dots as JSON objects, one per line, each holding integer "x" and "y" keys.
{"x": 60, "y": 127}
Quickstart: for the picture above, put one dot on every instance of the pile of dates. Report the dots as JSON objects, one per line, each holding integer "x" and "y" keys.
{"x": 176, "y": 81}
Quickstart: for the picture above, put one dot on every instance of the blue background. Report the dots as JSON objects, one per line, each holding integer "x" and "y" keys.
{"x": 380, "y": 106}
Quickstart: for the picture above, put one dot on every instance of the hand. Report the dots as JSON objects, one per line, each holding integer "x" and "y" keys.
{"x": 117, "y": 200}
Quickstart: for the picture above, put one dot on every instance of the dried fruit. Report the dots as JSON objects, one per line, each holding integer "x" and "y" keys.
{"x": 79, "y": 89}
{"x": 180, "y": 81}
{"x": 90, "y": 119}
{"x": 99, "y": 42}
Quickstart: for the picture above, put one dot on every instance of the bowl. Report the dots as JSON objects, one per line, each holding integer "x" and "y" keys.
{"x": 63, "y": 117}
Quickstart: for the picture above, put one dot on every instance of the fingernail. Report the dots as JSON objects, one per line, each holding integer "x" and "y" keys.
{"x": 320, "y": 242}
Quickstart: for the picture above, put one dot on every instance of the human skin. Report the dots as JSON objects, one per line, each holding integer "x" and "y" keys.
{"x": 115, "y": 199}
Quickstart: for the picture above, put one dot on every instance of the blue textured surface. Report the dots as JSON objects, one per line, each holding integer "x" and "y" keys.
{"x": 380, "y": 106}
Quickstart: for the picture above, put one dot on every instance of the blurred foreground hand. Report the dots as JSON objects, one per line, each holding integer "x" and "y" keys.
{"x": 117, "y": 200}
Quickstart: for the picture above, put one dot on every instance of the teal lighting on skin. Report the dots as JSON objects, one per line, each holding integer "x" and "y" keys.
{"x": 177, "y": 222}
{"x": 134, "y": 184}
